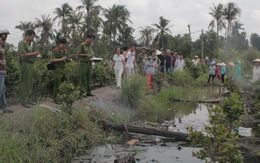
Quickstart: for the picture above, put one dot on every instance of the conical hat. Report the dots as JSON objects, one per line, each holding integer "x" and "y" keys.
{"x": 257, "y": 60}
{"x": 222, "y": 64}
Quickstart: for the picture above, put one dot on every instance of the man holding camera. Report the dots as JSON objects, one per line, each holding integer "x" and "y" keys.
{"x": 59, "y": 57}
{"x": 85, "y": 53}
{"x": 27, "y": 58}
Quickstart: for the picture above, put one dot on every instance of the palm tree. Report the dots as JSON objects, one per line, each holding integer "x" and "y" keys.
{"x": 236, "y": 27}
{"x": 117, "y": 18}
{"x": 126, "y": 38}
{"x": 231, "y": 11}
{"x": 44, "y": 26}
{"x": 163, "y": 30}
{"x": 88, "y": 5}
{"x": 75, "y": 28}
{"x": 235, "y": 34}
{"x": 25, "y": 25}
{"x": 63, "y": 14}
{"x": 218, "y": 21}
{"x": 146, "y": 35}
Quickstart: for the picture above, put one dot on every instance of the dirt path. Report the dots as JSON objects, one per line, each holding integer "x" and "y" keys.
{"x": 105, "y": 99}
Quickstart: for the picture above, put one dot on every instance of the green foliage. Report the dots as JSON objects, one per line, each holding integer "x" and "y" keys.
{"x": 218, "y": 144}
{"x": 72, "y": 71}
{"x": 202, "y": 79}
{"x": 233, "y": 108}
{"x": 133, "y": 90}
{"x": 67, "y": 95}
{"x": 42, "y": 78}
{"x": 180, "y": 78}
{"x": 255, "y": 41}
{"x": 247, "y": 57}
{"x": 12, "y": 79}
{"x": 101, "y": 74}
{"x": 48, "y": 137}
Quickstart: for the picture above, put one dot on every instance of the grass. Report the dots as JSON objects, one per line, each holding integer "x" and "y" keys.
{"x": 48, "y": 137}
{"x": 133, "y": 90}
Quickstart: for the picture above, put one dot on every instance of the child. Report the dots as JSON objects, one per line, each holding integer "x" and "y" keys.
{"x": 149, "y": 71}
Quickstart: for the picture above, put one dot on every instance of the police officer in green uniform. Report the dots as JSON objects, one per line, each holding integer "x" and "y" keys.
{"x": 27, "y": 58}
{"x": 85, "y": 53}
{"x": 59, "y": 56}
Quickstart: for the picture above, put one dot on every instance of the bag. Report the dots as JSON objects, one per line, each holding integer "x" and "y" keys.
{"x": 51, "y": 66}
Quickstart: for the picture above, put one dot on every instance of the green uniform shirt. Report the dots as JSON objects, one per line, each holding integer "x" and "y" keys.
{"x": 58, "y": 53}
{"x": 85, "y": 49}
{"x": 23, "y": 48}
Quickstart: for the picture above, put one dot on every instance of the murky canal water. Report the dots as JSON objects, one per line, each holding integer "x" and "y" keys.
{"x": 178, "y": 117}
{"x": 154, "y": 152}
{"x": 149, "y": 154}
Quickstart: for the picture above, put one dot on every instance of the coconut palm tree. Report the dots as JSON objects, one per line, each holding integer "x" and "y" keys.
{"x": 236, "y": 27}
{"x": 126, "y": 37}
{"x": 63, "y": 14}
{"x": 163, "y": 29}
{"x": 231, "y": 12}
{"x": 237, "y": 39}
{"x": 25, "y": 25}
{"x": 117, "y": 18}
{"x": 75, "y": 26}
{"x": 44, "y": 26}
{"x": 218, "y": 21}
{"x": 88, "y": 5}
{"x": 146, "y": 35}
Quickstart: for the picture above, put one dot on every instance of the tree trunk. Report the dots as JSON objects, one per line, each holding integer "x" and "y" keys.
{"x": 146, "y": 130}
{"x": 197, "y": 101}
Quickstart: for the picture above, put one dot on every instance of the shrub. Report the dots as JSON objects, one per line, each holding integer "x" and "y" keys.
{"x": 218, "y": 144}
{"x": 133, "y": 90}
{"x": 101, "y": 74}
{"x": 72, "y": 71}
{"x": 67, "y": 95}
{"x": 180, "y": 78}
{"x": 233, "y": 108}
{"x": 12, "y": 79}
{"x": 42, "y": 78}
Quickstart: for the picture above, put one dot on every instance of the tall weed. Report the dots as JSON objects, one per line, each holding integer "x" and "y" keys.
{"x": 133, "y": 90}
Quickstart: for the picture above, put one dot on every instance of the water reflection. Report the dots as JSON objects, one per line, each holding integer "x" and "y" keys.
{"x": 142, "y": 154}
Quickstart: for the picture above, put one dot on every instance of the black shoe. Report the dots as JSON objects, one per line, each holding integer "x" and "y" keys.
{"x": 89, "y": 94}
{"x": 8, "y": 111}
{"x": 26, "y": 105}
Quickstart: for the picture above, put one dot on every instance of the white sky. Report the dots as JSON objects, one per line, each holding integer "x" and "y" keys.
{"x": 143, "y": 13}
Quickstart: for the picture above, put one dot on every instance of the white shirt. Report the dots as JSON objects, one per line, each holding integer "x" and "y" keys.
{"x": 118, "y": 62}
{"x": 179, "y": 64}
{"x": 195, "y": 62}
{"x": 130, "y": 59}
{"x": 256, "y": 73}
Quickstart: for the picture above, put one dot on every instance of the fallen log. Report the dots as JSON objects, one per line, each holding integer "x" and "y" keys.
{"x": 196, "y": 101}
{"x": 146, "y": 130}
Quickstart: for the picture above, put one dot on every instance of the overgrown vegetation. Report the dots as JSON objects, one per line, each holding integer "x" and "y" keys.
{"x": 45, "y": 136}
{"x": 133, "y": 90}
{"x": 216, "y": 141}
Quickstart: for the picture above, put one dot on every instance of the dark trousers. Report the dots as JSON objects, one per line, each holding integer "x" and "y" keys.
{"x": 223, "y": 78}
{"x": 212, "y": 77}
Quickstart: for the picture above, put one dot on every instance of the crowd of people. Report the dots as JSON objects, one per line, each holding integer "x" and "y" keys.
{"x": 125, "y": 61}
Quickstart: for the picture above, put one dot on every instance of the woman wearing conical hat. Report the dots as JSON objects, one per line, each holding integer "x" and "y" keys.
{"x": 256, "y": 70}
